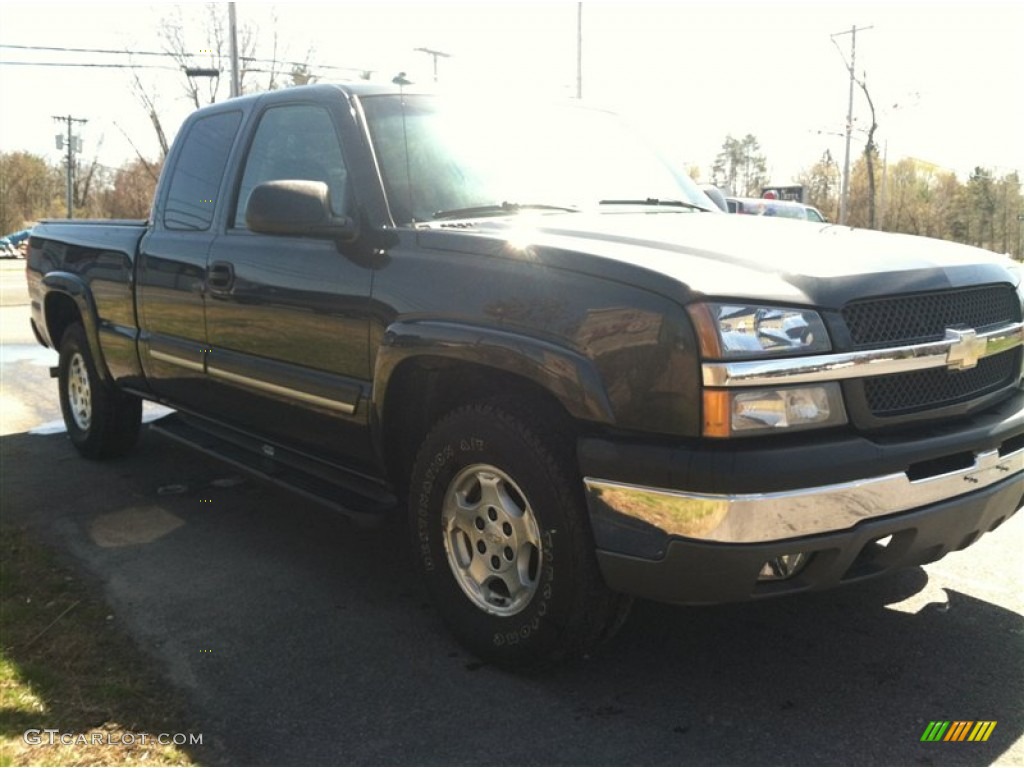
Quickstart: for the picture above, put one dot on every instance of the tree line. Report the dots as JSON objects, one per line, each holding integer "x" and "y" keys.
{"x": 910, "y": 196}
{"x": 32, "y": 188}
{"x": 917, "y": 198}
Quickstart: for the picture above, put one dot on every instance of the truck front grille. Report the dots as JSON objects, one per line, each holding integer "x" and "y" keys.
{"x": 939, "y": 387}
{"x": 923, "y": 317}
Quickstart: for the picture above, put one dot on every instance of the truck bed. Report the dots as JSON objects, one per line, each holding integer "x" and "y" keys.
{"x": 119, "y": 235}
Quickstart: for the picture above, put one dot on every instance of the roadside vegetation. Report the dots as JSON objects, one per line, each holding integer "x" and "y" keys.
{"x": 908, "y": 195}
{"x": 65, "y": 665}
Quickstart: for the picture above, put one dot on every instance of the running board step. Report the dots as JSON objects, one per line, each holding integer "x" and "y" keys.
{"x": 365, "y": 503}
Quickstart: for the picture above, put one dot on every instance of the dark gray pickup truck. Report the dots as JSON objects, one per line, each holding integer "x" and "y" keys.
{"x": 517, "y": 323}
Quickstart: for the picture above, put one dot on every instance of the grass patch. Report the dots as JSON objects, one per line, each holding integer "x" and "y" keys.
{"x": 65, "y": 665}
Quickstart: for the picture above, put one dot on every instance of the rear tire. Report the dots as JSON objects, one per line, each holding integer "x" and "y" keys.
{"x": 503, "y": 542}
{"x": 102, "y": 421}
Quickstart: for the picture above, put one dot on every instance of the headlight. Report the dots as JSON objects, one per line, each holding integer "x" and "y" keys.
{"x": 739, "y": 412}
{"x": 730, "y": 331}
{"x": 739, "y": 330}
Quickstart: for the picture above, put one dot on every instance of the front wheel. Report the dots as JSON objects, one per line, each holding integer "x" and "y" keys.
{"x": 503, "y": 539}
{"x": 102, "y": 421}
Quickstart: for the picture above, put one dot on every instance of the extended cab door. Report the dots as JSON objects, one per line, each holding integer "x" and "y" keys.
{"x": 172, "y": 263}
{"x": 287, "y": 317}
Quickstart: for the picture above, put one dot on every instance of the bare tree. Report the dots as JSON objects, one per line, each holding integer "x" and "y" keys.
{"x": 211, "y": 55}
{"x": 129, "y": 195}
{"x": 151, "y": 168}
{"x": 179, "y": 36}
{"x": 186, "y": 55}
{"x": 273, "y": 74}
{"x": 154, "y": 117}
{"x": 85, "y": 178}
{"x": 870, "y": 151}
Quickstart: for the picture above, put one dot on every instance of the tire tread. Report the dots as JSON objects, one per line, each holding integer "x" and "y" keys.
{"x": 116, "y": 417}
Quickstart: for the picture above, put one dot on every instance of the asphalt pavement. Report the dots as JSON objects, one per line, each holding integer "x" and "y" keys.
{"x": 302, "y": 641}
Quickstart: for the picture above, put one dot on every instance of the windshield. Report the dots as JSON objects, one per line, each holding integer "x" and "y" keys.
{"x": 438, "y": 156}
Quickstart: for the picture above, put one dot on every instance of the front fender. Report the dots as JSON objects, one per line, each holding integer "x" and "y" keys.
{"x": 569, "y": 376}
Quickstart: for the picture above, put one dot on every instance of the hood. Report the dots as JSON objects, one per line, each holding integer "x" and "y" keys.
{"x": 688, "y": 254}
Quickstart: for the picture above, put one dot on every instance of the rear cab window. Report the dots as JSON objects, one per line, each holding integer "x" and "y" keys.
{"x": 198, "y": 172}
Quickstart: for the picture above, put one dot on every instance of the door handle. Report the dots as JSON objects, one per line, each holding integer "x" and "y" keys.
{"x": 220, "y": 277}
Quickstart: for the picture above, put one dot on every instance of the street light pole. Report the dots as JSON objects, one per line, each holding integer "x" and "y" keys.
{"x": 236, "y": 81}
{"x": 211, "y": 72}
{"x": 436, "y": 55}
{"x": 579, "y": 50}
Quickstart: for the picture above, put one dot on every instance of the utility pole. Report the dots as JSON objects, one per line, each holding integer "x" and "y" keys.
{"x": 885, "y": 187}
{"x": 1020, "y": 237}
{"x": 436, "y": 55}
{"x": 579, "y": 50}
{"x": 74, "y": 145}
{"x": 236, "y": 81}
{"x": 844, "y": 195}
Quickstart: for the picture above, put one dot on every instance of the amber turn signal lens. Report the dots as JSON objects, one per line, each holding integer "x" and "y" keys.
{"x": 717, "y": 413}
{"x": 707, "y": 331}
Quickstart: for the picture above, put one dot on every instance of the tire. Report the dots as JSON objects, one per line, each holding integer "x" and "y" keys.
{"x": 102, "y": 421}
{"x": 511, "y": 567}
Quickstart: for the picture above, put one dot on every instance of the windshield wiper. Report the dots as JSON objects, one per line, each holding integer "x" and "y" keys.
{"x": 500, "y": 209}
{"x": 655, "y": 201}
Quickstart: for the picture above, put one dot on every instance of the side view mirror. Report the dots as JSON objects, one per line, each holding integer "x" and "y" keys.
{"x": 296, "y": 207}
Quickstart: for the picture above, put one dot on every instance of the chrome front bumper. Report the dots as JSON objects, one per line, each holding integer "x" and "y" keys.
{"x": 765, "y": 517}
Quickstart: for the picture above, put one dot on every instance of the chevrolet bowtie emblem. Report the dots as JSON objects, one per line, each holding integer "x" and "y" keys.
{"x": 966, "y": 349}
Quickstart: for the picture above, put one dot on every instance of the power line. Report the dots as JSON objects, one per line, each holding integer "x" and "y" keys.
{"x": 83, "y": 50}
{"x": 82, "y": 64}
{"x": 254, "y": 70}
{"x": 253, "y": 59}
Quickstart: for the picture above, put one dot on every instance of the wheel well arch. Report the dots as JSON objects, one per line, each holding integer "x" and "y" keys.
{"x": 423, "y": 389}
{"x": 60, "y": 311}
{"x": 68, "y": 300}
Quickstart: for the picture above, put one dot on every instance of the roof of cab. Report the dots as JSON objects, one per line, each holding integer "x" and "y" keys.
{"x": 318, "y": 90}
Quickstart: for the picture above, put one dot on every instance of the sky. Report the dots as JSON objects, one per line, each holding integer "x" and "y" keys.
{"x": 947, "y": 78}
